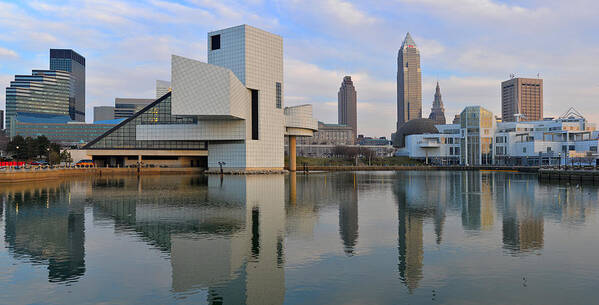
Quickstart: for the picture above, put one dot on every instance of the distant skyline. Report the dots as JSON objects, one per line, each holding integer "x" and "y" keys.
{"x": 469, "y": 46}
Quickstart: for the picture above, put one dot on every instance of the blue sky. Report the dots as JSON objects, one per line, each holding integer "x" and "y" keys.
{"x": 469, "y": 46}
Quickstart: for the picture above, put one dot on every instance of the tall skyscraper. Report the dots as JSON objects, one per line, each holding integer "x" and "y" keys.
{"x": 347, "y": 105}
{"x": 71, "y": 61}
{"x": 409, "y": 82}
{"x": 523, "y": 97}
{"x": 438, "y": 112}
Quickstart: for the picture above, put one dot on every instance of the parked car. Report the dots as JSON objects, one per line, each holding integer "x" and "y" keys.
{"x": 40, "y": 162}
{"x": 85, "y": 163}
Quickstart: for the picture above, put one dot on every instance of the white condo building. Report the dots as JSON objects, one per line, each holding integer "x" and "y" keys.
{"x": 227, "y": 112}
{"x": 480, "y": 140}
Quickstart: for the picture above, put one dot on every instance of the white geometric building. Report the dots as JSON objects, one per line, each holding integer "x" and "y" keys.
{"x": 569, "y": 138}
{"x": 229, "y": 110}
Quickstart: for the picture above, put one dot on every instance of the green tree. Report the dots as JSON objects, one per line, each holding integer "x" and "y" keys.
{"x": 16, "y": 147}
{"x": 65, "y": 156}
{"x": 41, "y": 146}
{"x": 53, "y": 157}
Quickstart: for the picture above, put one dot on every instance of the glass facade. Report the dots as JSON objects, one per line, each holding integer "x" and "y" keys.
{"x": 71, "y": 61}
{"x": 477, "y": 126}
{"x": 279, "y": 95}
{"x": 123, "y": 136}
{"x": 44, "y": 91}
{"x": 126, "y": 107}
{"x": 73, "y": 133}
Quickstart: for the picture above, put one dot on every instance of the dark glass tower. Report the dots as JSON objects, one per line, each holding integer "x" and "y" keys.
{"x": 71, "y": 61}
{"x": 438, "y": 111}
{"x": 409, "y": 82}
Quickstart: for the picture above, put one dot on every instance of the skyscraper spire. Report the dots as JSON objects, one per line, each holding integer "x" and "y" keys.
{"x": 438, "y": 111}
{"x": 409, "y": 84}
{"x": 408, "y": 42}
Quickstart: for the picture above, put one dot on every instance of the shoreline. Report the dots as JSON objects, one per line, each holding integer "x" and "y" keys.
{"x": 16, "y": 176}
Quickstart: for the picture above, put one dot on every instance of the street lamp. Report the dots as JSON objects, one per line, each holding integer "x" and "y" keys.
{"x": 221, "y": 163}
{"x": 559, "y": 165}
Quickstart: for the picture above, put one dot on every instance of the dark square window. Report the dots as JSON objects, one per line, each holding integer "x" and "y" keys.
{"x": 215, "y": 42}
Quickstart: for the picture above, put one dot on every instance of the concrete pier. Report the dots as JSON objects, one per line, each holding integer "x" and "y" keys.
{"x": 573, "y": 175}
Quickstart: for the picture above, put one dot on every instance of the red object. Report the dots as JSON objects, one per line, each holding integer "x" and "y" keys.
{"x": 11, "y": 163}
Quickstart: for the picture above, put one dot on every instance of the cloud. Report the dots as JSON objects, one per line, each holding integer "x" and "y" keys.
{"x": 347, "y": 13}
{"x": 470, "y": 46}
{"x": 479, "y": 9}
{"x": 4, "y": 52}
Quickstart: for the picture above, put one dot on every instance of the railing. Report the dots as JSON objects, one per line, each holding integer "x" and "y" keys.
{"x": 38, "y": 168}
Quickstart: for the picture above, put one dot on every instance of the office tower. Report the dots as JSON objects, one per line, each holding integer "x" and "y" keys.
{"x": 103, "y": 113}
{"x": 347, "y": 105}
{"x": 409, "y": 82}
{"x": 1, "y": 119}
{"x": 44, "y": 92}
{"x": 127, "y": 107}
{"x": 162, "y": 87}
{"x": 438, "y": 112}
{"x": 70, "y": 61}
{"x": 522, "y": 99}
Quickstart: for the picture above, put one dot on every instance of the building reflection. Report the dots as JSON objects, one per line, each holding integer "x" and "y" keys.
{"x": 223, "y": 236}
{"x": 416, "y": 202}
{"x": 46, "y": 225}
{"x": 308, "y": 194}
{"x": 476, "y": 201}
{"x": 523, "y": 223}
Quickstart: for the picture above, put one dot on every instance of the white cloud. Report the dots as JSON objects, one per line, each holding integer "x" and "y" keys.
{"x": 4, "y": 52}
{"x": 485, "y": 9}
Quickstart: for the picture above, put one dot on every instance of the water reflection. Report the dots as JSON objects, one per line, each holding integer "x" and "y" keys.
{"x": 227, "y": 239}
{"x": 414, "y": 205}
{"x": 43, "y": 227}
{"x": 225, "y": 236}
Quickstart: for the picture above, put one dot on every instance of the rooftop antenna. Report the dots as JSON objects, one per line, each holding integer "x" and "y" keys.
{"x": 539, "y": 75}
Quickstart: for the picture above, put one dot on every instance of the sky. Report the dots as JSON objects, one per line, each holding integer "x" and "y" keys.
{"x": 468, "y": 46}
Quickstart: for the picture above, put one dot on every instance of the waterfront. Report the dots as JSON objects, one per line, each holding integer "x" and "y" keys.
{"x": 410, "y": 237}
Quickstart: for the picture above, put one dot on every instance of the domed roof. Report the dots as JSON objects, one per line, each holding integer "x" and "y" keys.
{"x": 416, "y": 126}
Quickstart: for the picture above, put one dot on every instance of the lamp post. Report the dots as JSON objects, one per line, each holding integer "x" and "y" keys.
{"x": 559, "y": 165}
{"x": 221, "y": 163}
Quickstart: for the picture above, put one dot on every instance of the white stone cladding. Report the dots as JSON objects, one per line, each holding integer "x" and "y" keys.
{"x": 205, "y": 130}
{"x": 256, "y": 58}
{"x": 299, "y": 121}
{"x": 206, "y": 90}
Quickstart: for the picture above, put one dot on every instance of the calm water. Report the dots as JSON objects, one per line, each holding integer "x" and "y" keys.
{"x": 330, "y": 238}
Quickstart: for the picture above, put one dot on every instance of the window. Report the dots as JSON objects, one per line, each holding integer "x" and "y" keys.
{"x": 593, "y": 148}
{"x": 524, "y": 149}
{"x": 214, "y": 42}
{"x": 254, "y": 114}
{"x": 279, "y": 98}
